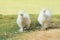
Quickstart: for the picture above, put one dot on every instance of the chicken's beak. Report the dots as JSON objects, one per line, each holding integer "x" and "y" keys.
{"x": 21, "y": 14}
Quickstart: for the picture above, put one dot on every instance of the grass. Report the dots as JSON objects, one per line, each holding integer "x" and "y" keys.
{"x": 9, "y": 28}
{"x": 8, "y": 24}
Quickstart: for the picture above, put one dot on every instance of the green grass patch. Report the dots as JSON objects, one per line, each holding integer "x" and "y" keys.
{"x": 8, "y": 26}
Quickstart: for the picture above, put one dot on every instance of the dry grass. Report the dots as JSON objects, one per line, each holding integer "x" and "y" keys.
{"x": 44, "y": 35}
{"x": 53, "y": 34}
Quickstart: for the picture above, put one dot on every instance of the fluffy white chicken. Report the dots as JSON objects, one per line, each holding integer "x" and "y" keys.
{"x": 23, "y": 20}
{"x": 44, "y": 18}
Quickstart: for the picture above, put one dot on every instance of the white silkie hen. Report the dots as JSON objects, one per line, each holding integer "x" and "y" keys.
{"x": 44, "y": 18}
{"x": 23, "y": 20}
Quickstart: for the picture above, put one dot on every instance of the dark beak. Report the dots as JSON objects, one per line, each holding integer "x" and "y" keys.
{"x": 21, "y": 14}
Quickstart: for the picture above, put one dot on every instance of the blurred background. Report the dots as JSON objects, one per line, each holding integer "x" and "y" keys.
{"x": 30, "y": 6}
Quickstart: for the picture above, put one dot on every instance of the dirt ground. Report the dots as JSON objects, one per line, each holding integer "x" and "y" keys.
{"x": 43, "y": 35}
